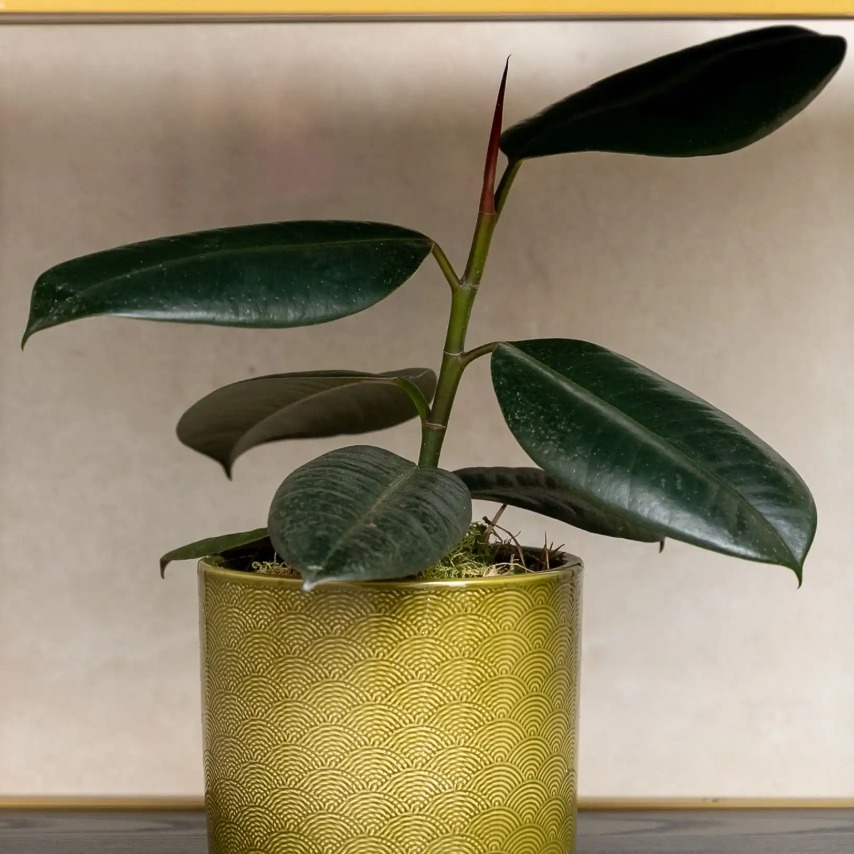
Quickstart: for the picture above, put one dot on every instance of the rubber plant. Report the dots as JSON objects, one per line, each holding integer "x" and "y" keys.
{"x": 619, "y": 449}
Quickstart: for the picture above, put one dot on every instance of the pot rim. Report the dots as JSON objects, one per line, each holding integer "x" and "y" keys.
{"x": 572, "y": 564}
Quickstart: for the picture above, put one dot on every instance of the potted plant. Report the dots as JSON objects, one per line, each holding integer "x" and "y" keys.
{"x": 380, "y": 675}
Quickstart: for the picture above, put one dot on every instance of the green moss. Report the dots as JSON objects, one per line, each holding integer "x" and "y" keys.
{"x": 273, "y": 567}
{"x": 481, "y": 553}
{"x": 474, "y": 557}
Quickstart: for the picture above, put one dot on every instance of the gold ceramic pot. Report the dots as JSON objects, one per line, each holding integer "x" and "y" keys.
{"x": 390, "y": 717}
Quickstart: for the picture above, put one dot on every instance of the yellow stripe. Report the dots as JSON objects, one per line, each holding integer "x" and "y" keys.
{"x": 523, "y": 8}
{"x": 164, "y": 804}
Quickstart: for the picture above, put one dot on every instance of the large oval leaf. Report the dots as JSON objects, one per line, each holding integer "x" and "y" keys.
{"x": 535, "y": 490}
{"x": 273, "y": 275}
{"x": 363, "y": 513}
{"x": 310, "y": 404}
{"x": 638, "y": 446}
{"x": 709, "y": 99}
{"x": 214, "y": 546}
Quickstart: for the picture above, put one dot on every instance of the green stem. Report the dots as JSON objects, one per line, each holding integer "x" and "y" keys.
{"x": 504, "y": 185}
{"x": 479, "y": 251}
{"x": 445, "y": 266}
{"x": 476, "y": 352}
{"x": 416, "y": 396}
{"x": 464, "y": 290}
{"x": 454, "y": 356}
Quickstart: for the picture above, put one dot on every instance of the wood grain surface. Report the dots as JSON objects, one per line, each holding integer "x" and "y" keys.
{"x": 685, "y": 832}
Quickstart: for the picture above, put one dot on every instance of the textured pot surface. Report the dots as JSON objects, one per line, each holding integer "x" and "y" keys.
{"x": 389, "y": 718}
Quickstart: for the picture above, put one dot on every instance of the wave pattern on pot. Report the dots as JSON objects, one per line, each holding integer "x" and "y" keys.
{"x": 426, "y": 719}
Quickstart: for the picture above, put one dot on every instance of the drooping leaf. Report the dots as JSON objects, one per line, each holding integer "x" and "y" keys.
{"x": 214, "y": 546}
{"x": 536, "y": 490}
{"x": 363, "y": 513}
{"x": 309, "y": 404}
{"x": 712, "y": 98}
{"x": 638, "y": 446}
{"x": 272, "y": 275}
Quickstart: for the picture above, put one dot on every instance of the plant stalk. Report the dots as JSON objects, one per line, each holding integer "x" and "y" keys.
{"x": 505, "y": 184}
{"x": 453, "y": 361}
{"x": 445, "y": 266}
{"x": 454, "y": 357}
{"x": 476, "y": 352}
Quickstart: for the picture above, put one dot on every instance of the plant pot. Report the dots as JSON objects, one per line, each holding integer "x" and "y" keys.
{"x": 390, "y": 717}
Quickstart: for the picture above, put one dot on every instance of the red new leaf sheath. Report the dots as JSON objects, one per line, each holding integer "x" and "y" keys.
{"x": 487, "y": 196}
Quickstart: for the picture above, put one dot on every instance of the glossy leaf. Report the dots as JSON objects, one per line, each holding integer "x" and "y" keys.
{"x": 363, "y": 513}
{"x": 712, "y": 98}
{"x": 638, "y": 446}
{"x": 310, "y": 404}
{"x": 214, "y": 546}
{"x": 273, "y": 275}
{"x": 535, "y": 490}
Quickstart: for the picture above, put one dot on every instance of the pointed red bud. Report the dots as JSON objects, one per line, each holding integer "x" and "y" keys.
{"x": 487, "y": 196}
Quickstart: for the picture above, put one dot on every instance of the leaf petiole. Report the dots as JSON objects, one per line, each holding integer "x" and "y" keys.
{"x": 476, "y": 352}
{"x": 416, "y": 396}
{"x": 446, "y": 267}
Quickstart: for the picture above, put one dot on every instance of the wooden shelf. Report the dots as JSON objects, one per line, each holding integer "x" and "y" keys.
{"x": 613, "y": 832}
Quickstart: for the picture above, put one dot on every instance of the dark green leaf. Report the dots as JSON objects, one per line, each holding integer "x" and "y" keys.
{"x": 709, "y": 99}
{"x": 536, "y": 490}
{"x": 363, "y": 513}
{"x": 214, "y": 546}
{"x": 640, "y": 447}
{"x": 273, "y": 275}
{"x": 309, "y": 404}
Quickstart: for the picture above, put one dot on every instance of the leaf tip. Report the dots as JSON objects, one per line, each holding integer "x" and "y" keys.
{"x": 28, "y": 333}
{"x": 163, "y": 565}
{"x": 839, "y": 44}
{"x": 487, "y": 197}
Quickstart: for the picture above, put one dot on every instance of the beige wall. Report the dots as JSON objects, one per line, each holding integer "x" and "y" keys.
{"x": 703, "y": 675}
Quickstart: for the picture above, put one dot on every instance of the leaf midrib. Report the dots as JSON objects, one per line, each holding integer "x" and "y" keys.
{"x": 566, "y": 497}
{"x": 382, "y": 498}
{"x": 661, "y": 441}
{"x": 365, "y": 378}
{"x": 103, "y": 283}
{"x": 617, "y": 103}
{"x": 623, "y": 102}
